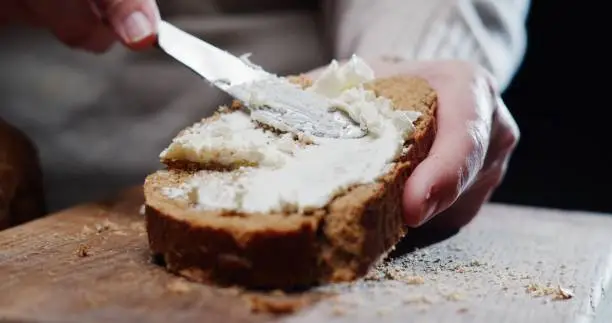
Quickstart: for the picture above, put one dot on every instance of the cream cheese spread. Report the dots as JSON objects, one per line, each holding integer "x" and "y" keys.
{"x": 275, "y": 171}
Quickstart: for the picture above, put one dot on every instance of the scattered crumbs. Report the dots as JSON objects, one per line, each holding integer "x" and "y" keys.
{"x": 558, "y": 292}
{"x": 395, "y": 273}
{"x": 87, "y": 230}
{"x": 142, "y": 209}
{"x": 539, "y": 290}
{"x": 413, "y": 280}
{"x": 82, "y": 251}
{"x": 453, "y": 297}
{"x": 462, "y": 310}
{"x": 106, "y": 225}
{"x": 417, "y": 300}
{"x": 476, "y": 263}
{"x": 563, "y": 293}
{"x": 223, "y": 109}
{"x": 338, "y": 311}
{"x": 178, "y": 286}
{"x": 273, "y": 304}
{"x": 137, "y": 226}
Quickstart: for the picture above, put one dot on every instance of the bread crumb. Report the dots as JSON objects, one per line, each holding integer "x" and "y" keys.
{"x": 106, "y": 225}
{"x": 179, "y": 287}
{"x": 142, "y": 209}
{"x": 563, "y": 293}
{"x": 558, "y": 292}
{"x": 476, "y": 263}
{"x": 87, "y": 230}
{"x": 539, "y": 290}
{"x": 273, "y": 305}
{"x": 417, "y": 300}
{"x": 462, "y": 310}
{"x": 454, "y": 297}
{"x": 399, "y": 275}
{"x": 338, "y": 311}
{"x": 82, "y": 251}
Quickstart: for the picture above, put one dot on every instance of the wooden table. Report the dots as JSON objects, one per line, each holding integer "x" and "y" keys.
{"x": 91, "y": 264}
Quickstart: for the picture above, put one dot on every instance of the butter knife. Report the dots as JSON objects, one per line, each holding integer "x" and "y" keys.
{"x": 270, "y": 99}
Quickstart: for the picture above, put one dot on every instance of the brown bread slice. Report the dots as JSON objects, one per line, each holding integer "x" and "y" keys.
{"x": 288, "y": 250}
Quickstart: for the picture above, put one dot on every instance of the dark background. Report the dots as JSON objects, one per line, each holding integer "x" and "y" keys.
{"x": 560, "y": 99}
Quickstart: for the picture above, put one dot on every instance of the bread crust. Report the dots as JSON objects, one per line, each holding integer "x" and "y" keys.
{"x": 286, "y": 251}
{"x": 21, "y": 180}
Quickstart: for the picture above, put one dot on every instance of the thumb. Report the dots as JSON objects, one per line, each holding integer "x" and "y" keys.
{"x": 134, "y": 21}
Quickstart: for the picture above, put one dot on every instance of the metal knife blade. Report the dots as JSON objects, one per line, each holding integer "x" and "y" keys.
{"x": 287, "y": 107}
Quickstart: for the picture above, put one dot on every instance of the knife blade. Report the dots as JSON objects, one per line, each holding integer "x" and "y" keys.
{"x": 270, "y": 99}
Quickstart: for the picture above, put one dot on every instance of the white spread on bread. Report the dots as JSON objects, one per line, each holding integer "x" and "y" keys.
{"x": 278, "y": 170}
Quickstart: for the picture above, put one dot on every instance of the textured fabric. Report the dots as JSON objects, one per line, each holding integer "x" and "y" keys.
{"x": 101, "y": 121}
{"x": 488, "y": 32}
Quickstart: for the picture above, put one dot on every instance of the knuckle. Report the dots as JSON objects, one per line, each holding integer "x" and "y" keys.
{"x": 509, "y": 139}
{"x": 494, "y": 175}
{"x": 509, "y": 134}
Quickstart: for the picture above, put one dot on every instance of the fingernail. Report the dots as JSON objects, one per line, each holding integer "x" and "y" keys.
{"x": 137, "y": 27}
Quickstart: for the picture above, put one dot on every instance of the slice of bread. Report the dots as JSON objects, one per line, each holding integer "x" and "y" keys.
{"x": 285, "y": 250}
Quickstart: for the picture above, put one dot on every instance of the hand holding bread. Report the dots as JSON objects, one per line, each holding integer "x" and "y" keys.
{"x": 475, "y": 138}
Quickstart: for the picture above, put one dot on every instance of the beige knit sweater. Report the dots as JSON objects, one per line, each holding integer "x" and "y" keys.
{"x": 101, "y": 121}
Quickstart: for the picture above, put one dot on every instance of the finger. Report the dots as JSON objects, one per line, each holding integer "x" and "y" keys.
{"x": 134, "y": 21}
{"x": 17, "y": 11}
{"x": 457, "y": 154}
{"x": 505, "y": 136}
{"x": 100, "y": 40}
{"x": 72, "y": 21}
{"x": 470, "y": 203}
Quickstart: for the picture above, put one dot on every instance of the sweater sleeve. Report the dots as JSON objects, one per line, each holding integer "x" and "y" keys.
{"x": 491, "y": 33}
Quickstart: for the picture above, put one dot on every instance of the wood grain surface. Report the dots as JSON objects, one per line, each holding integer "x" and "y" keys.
{"x": 91, "y": 264}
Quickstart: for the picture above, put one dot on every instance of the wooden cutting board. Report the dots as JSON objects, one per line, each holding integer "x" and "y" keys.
{"x": 91, "y": 264}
